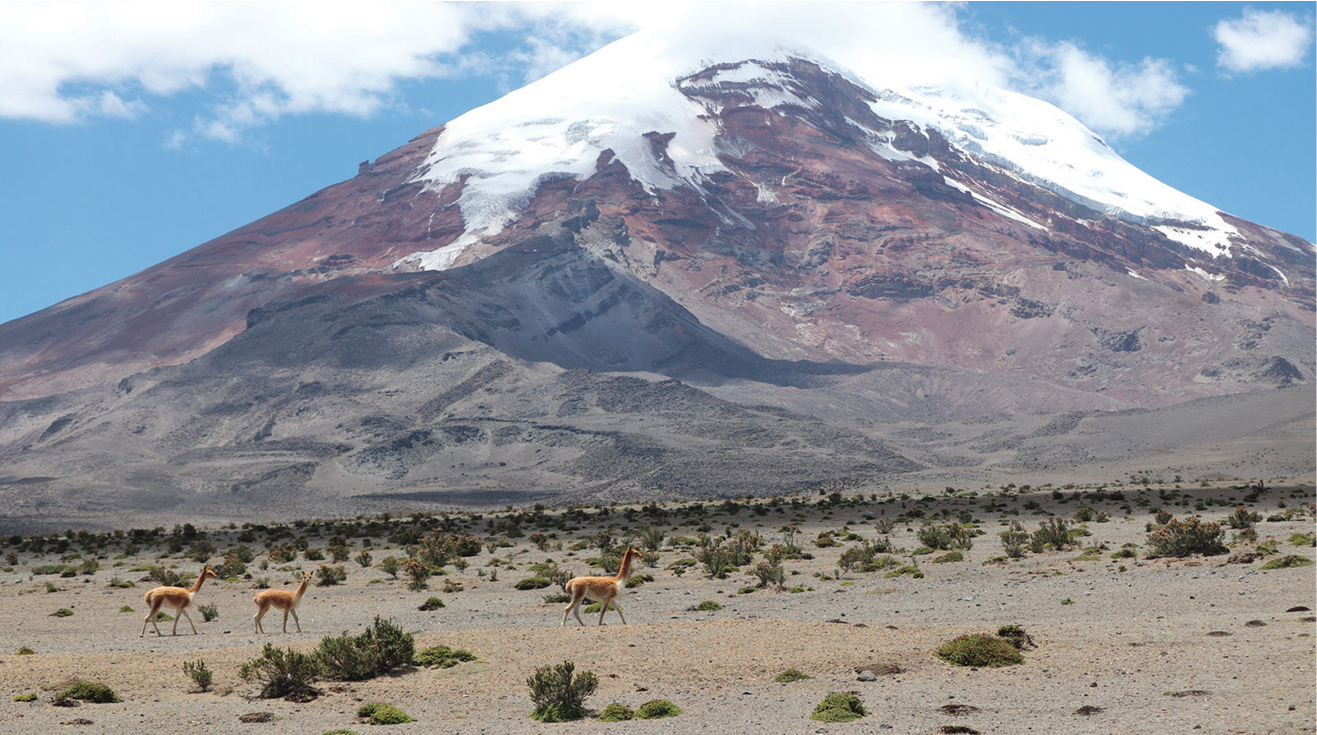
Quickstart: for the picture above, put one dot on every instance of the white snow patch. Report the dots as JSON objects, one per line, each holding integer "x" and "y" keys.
{"x": 1214, "y": 242}
{"x": 1204, "y": 274}
{"x": 995, "y": 206}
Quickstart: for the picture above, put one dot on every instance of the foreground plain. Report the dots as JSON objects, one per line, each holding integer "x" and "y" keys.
{"x": 1200, "y": 644}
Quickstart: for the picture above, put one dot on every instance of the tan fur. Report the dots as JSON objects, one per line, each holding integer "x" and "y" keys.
{"x": 286, "y": 600}
{"x": 177, "y": 598}
{"x": 604, "y": 590}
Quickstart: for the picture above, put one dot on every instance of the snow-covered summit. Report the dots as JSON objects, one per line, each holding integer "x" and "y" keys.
{"x": 557, "y": 127}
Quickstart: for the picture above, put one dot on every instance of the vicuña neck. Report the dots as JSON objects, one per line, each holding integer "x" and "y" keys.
{"x": 197, "y": 584}
{"x": 625, "y": 570}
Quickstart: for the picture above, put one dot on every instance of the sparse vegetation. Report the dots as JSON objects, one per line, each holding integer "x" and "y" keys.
{"x": 1183, "y": 538}
{"x": 839, "y": 707}
{"x": 90, "y": 692}
{"x": 790, "y": 675}
{"x": 980, "y": 650}
{"x": 377, "y": 651}
{"x": 200, "y": 675}
{"x": 656, "y": 709}
{"x": 382, "y": 713}
{"x": 282, "y": 672}
{"x": 442, "y": 657}
{"x": 559, "y": 693}
{"x": 616, "y": 713}
{"x": 1285, "y": 562}
{"x": 706, "y": 606}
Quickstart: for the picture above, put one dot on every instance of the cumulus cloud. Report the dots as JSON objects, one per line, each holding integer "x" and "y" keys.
{"x": 1262, "y": 40}
{"x": 254, "y": 63}
{"x": 1116, "y": 99}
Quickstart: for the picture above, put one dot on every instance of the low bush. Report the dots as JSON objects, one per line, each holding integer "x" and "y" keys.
{"x": 282, "y": 672}
{"x": 442, "y": 657}
{"x": 533, "y": 583}
{"x": 706, "y": 606}
{"x": 1286, "y": 562}
{"x": 208, "y": 612}
{"x": 327, "y": 576}
{"x": 839, "y": 707}
{"x": 616, "y": 713}
{"x": 90, "y": 692}
{"x": 200, "y": 675}
{"x": 559, "y": 693}
{"x": 378, "y": 650}
{"x": 949, "y": 557}
{"x": 656, "y": 709}
{"x": 29, "y": 697}
{"x": 979, "y": 650}
{"x": 1182, "y": 538}
{"x": 790, "y": 675}
{"x": 383, "y": 713}
{"x": 431, "y": 603}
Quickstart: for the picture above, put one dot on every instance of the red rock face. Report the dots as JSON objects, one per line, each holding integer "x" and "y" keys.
{"x": 810, "y": 246}
{"x": 186, "y": 306}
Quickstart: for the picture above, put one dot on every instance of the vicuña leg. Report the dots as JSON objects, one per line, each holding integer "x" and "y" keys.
{"x": 296, "y": 620}
{"x": 578, "y": 595}
{"x": 182, "y": 611}
{"x": 618, "y": 608}
{"x": 150, "y": 618}
{"x": 260, "y": 613}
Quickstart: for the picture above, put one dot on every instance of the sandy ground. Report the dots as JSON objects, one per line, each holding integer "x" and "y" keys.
{"x": 1195, "y": 645}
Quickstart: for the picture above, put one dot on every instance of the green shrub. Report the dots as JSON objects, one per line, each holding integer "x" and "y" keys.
{"x": 327, "y": 576}
{"x": 656, "y": 709}
{"x": 431, "y": 603}
{"x": 1190, "y": 536}
{"x": 909, "y": 569}
{"x": 636, "y": 580}
{"x": 29, "y": 697}
{"x": 390, "y": 566}
{"x": 949, "y": 557}
{"x": 90, "y": 692}
{"x": 790, "y": 675}
{"x": 281, "y": 672}
{"x": 24, "y": 651}
{"x": 616, "y": 713}
{"x": 558, "y": 694}
{"x": 1302, "y": 539}
{"x": 209, "y": 612}
{"x": 442, "y": 657}
{"x": 1242, "y": 518}
{"x": 200, "y": 675}
{"x": 1286, "y": 562}
{"x": 378, "y": 650}
{"x": 1053, "y": 533}
{"x": 383, "y": 713}
{"x": 533, "y": 583}
{"x": 706, "y": 606}
{"x": 63, "y": 612}
{"x": 839, "y": 707}
{"x": 341, "y": 731}
{"x": 979, "y": 650}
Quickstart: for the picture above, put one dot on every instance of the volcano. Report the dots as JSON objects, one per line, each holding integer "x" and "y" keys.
{"x": 661, "y": 273}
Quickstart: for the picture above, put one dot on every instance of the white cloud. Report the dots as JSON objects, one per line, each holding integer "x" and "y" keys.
{"x": 1117, "y": 100}
{"x": 258, "y": 62}
{"x": 1262, "y": 40}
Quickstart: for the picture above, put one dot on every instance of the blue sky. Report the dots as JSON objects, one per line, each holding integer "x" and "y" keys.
{"x": 131, "y": 132}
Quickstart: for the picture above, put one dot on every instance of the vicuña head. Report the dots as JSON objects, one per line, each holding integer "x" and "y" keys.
{"x": 179, "y": 598}
{"x": 286, "y": 600}
{"x": 604, "y": 590}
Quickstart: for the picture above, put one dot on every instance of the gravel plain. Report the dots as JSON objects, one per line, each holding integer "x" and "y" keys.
{"x": 1201, "y": 644}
